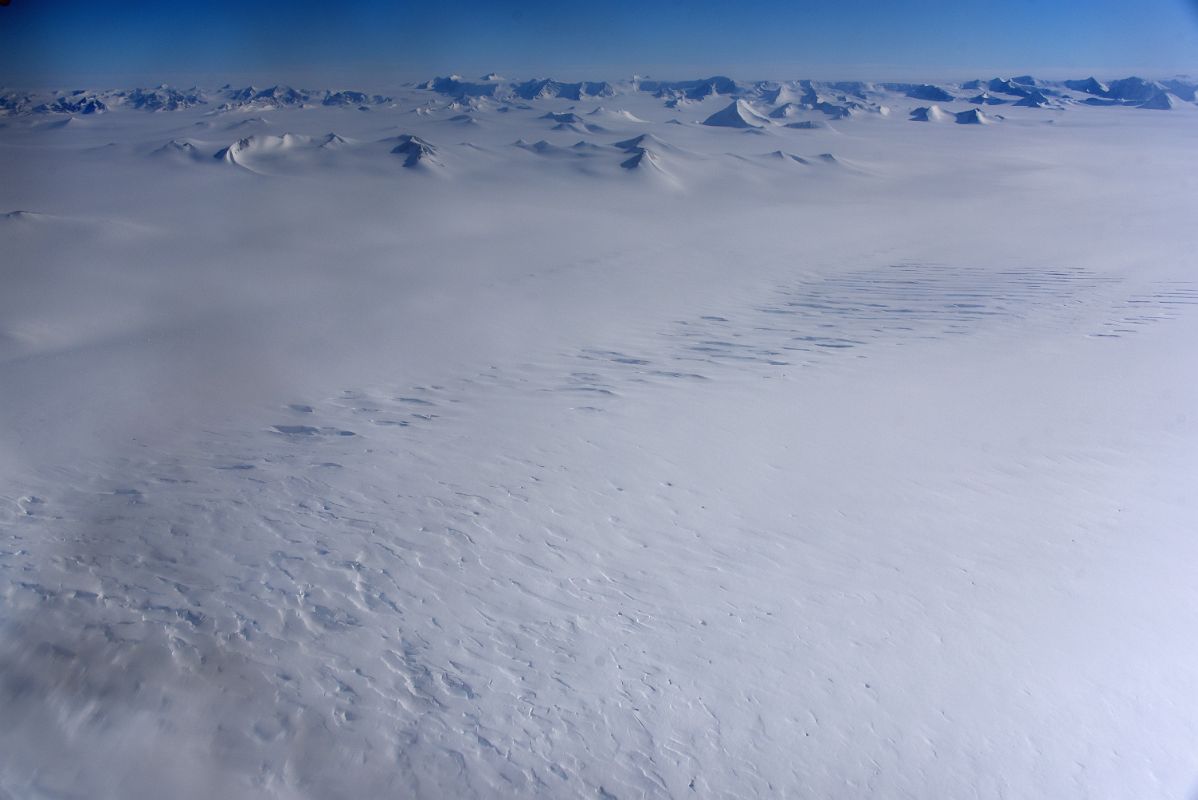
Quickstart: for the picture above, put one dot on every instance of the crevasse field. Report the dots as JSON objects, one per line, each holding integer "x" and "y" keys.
{"x": 498, "y": 439}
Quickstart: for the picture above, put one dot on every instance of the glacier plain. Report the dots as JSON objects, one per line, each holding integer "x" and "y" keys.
{"x": 498, "y": 439}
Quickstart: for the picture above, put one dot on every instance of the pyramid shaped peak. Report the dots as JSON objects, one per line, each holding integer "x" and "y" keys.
{"x": 737, "y": 114}
{"x": 972, "y": 117}
{"x": 644, "y": 140}
{"x": 932, "y": 113}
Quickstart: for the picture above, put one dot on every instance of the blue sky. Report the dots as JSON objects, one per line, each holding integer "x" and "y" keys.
{"x": 384, "y": 42}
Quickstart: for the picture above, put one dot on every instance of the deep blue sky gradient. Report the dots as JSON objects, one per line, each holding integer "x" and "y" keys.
{"x": 387, "y": 42}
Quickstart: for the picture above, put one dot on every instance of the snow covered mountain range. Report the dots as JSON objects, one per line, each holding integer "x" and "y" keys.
{"x": 835, "y": 98}
{"x": 445, "y": 121}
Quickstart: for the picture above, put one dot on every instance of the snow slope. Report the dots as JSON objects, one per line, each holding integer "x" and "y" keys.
{"x": 403, "y": 461}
